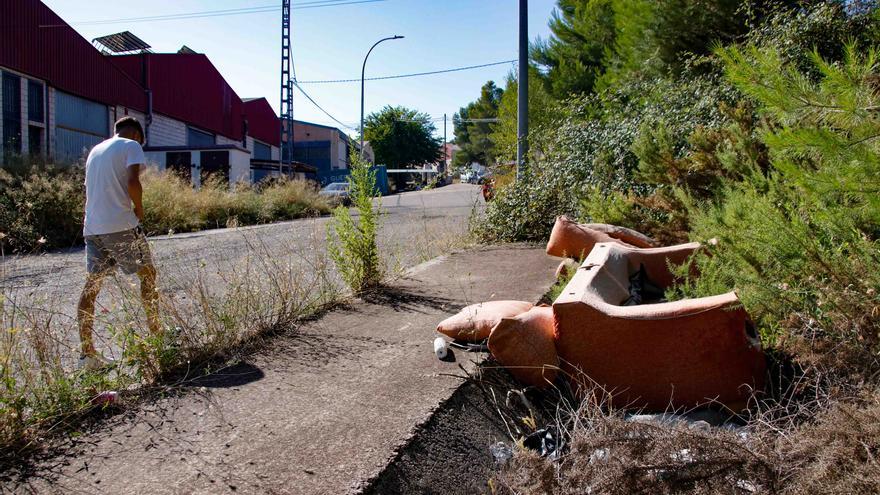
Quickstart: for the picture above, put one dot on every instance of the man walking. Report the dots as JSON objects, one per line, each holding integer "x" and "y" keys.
{"x": 112, "y": 230}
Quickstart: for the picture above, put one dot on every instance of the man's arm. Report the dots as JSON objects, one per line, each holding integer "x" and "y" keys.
{"x": 135, "y": 190}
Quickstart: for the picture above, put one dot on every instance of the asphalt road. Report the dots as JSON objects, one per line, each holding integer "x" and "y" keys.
{"x": 416, "y": 226}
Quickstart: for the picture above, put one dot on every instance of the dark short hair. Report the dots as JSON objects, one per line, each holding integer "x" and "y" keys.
{"x": 128, "y": 123}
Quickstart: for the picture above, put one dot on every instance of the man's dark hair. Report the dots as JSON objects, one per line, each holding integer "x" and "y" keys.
{"x": 128, "y": 123}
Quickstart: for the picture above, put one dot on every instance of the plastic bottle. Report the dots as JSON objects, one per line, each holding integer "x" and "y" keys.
{"x": 440, "y": 348}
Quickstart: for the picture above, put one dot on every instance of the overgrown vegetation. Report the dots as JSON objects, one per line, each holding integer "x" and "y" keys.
{"x": 352, "y": 243}
{"x": 41, "y": 205}
{"x": 172, "y": 205}
{"x": 759, "y": 128}
{"x": 220, "y": 309}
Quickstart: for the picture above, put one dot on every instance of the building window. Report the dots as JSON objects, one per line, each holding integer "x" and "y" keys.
{"x": 180, "y": 162}
{"x": 262, "y": 151}
{"x": 308, "y": 154}
{"x": 197, "y": 138}
{"x": 11, "y": 113}
{"x": 35, "y": 140}
{"x": 214, "y": 165}
{"x": 35, "y": 102}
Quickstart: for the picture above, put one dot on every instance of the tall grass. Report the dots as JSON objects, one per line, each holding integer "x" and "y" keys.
{"x": 219, "y": 310}
{"x": 223, "y": 303}
{"x": 171, "y": 205}
{"x": 41, "y": 204}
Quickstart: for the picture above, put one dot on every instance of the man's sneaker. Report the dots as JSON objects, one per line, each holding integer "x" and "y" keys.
{"x": 95, "y": 362}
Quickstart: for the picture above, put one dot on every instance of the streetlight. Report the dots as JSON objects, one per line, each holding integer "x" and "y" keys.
{"x": 363, "y": 69}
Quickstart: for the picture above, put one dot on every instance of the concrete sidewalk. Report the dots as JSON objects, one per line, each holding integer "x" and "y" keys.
{"x": 323, "y": 410}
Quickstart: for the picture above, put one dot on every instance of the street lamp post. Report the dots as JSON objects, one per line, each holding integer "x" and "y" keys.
{"x": 363, "y": 69}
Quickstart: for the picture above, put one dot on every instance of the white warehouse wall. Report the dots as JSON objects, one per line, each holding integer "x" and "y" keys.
{"x": 221, "y": 139}
{"x": 165, "y": 131}
{"x": 239, "y": 167}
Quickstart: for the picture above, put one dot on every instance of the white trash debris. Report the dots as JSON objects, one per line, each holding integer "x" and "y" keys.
{"x": 501, "y": 452}
{"x": 440, "y": 347}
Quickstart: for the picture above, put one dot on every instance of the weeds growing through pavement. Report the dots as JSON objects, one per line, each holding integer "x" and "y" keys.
{"x": 222, "y": 300}
{"x": 352, "y": 243}
{"x": 217, "y": 308}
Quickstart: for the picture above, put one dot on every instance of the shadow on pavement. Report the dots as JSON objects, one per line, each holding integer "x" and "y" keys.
{"x": 233, "y": 376}
{"x": 402, "y": 299}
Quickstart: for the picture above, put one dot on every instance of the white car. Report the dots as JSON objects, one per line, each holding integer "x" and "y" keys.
{"x": 336, "y": 193}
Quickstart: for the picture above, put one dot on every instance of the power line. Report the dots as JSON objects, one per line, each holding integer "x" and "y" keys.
{"x": 296, "y": 85}
{"x": 415, "y": 74}
{"x": 218, "y": 13}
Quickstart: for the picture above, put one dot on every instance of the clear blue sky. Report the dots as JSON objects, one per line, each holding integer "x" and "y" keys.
{"x": 330, "y": 43}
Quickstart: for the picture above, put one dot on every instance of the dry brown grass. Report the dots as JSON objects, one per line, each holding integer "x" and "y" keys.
{"x": 815, "y": 439}
{"x": 224, "y": 303}
{"x": 172, "y": 205}
{"x": 221, "y": 309}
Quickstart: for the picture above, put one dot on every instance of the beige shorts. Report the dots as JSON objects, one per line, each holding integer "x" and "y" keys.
{"x": 127, "y": 249}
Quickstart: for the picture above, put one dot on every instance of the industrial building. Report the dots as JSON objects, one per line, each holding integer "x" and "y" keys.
{"x": 61, "y": 95}
{"x": 326, "y": 148}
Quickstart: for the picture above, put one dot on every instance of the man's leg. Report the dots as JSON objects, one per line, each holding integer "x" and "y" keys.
{"x": 86, "y": 312}
{"x": 150, "y": 297}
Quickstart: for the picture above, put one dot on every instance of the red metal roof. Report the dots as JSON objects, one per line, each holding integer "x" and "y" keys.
{"x": 37, "y": 42}
{"x": 263, "y": 124}
{"x": 187, "y": 87}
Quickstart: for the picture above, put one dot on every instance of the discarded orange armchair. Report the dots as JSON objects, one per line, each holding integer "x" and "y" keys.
{"x": 680, "y": 354}
{"x": 570, "y": 239}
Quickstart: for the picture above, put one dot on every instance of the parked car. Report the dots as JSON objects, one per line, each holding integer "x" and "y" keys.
{"x": 336, "y": 193}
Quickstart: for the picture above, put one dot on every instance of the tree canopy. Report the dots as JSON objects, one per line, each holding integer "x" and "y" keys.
{"x": 575, "y": 56}
{"x": 402, "y": 137}
{"x": 504, "y": 132}
{"x": 473, "y": 129}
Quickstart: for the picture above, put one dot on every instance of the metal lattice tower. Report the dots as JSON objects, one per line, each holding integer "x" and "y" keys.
{"x": 286, "y": 155}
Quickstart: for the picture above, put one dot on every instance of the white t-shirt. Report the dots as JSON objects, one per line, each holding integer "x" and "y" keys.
{"x": 108, "y": 205}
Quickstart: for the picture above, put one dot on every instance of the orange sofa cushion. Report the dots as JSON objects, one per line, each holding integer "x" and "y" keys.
{"x": 570, "y": 239}
{"x": 475, "y": 322}
{"x": 628, "y": 236}
{"x": 525, "y": 346}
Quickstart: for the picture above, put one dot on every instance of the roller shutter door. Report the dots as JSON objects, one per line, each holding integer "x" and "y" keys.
{"x": 80, "y": 124}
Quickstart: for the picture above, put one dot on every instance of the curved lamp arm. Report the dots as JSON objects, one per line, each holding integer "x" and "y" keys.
{"x": 363, "y": 70}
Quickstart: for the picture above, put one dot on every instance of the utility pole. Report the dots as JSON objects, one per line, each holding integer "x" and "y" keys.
{"x": 286, "y": 106}
{"x": 445, "y": 158}
{"x": 522, "y": 103}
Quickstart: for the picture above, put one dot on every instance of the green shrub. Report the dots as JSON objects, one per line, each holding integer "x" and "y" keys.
{"x": 352, "y": 243}
{"x": 825, "y": 27}
{"x": 589, "y": 151}
{"x": 41, "y": 206}
{"x": 800, "y": 242}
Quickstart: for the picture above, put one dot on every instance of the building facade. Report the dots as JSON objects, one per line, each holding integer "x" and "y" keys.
{"x": 326, "y": 148}
{"x": 59, "y": 96}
